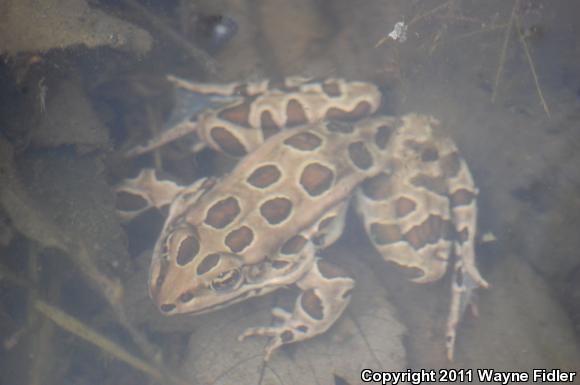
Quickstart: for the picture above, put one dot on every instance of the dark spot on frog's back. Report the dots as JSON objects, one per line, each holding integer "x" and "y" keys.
{"x": 378, "y": 188}
{"x": 239, "y": 239}
{"x": 383, "y": 135}
{"x": 268, "y": 125}
{"x": 264, "y": 176}
{"x": 276, "y": 210}
{"x": 434, "y": 184}
{"x": 222, "y": 213}
{"x": 404, "y": 207}
{"x": 384, "y": 234}
{"x": 239, "y": 114}
{"x": 316, "y": 179}
{"x": 361, "y": 109}
{"x": 295, "y": 115}
{"x": 304, "y": 141}
{"x": 294, "y": 245}
{"x": 187, "y": 250}
{"x": 430, "y": 231}
{"x": 228, "y": 142}
{"x": 339, "y": 127}
{"x": 360, "y": 155}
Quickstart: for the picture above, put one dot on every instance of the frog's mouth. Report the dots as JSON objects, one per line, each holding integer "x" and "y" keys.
{"x": 217, "y": 306}
{"x": 207, "y": 309}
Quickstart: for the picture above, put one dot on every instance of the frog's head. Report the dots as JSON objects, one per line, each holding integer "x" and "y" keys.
{"x": 188, "y": 278}
{"x": 183, "y": 276}
{"x": 178, "y": 285}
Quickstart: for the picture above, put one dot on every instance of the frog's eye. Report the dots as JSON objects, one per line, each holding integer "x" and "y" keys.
{"x": 226, "y": 281}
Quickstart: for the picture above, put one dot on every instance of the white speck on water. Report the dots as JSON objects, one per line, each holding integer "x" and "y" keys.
{"x": 399, "y": 33}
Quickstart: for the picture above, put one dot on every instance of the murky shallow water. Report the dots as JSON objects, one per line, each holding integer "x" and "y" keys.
{"x": 510, "y": 101}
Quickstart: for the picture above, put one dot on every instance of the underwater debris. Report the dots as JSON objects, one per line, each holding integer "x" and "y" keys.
{"x": 42, "y": 91}
{"x": 399, "y": 33}
{"x": 32, "y": 26}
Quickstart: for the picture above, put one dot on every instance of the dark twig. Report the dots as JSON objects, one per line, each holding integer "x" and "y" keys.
{"x": 503, "y": 52}
{"x": 532, "y": 66}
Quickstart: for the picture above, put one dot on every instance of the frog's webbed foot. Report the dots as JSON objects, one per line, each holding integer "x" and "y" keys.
{"x": 463, "y": 288}
{"x": 137, "y": 195}
{"x": 325, "y": 294}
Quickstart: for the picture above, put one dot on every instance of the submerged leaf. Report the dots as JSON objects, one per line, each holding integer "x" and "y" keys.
{"x": 368, "y": 335}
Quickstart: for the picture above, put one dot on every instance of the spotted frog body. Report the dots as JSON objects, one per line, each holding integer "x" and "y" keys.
{"x": 260, "y": 227}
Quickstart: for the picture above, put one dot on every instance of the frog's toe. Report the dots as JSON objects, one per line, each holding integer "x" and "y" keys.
{"x": 279, "y": 335}
{"x": 281, "y": 313}
{"x": 266, "y": 331}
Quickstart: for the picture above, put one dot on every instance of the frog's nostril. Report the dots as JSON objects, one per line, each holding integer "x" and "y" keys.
{"x": 167, "y": 308}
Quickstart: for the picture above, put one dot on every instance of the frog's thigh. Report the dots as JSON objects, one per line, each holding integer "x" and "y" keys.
{"x": 325, "y": 294}
{"x": 410, "y": 228}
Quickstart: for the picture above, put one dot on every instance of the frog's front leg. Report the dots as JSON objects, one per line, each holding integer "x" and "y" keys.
{"x": 137, "y": 195}
{"x": 325, "y": 294}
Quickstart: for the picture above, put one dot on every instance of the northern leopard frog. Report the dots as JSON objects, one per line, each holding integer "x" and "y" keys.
{"x": 307, "y": 150}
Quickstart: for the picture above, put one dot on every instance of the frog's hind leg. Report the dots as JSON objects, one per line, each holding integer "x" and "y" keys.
{"x": 325, "y": 294}
{"x": 220, "y": 89}
{"x": 406, "y": 224}
{"x": 192, "y": 99}
{"x": 178, "y": 131}
{"x": 463, "y": 201}
{"x": 466, "y": 277}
